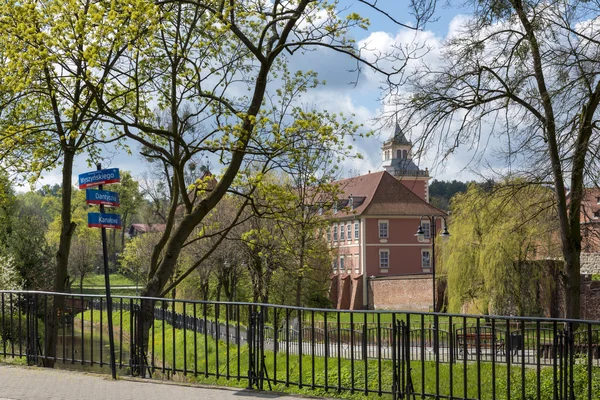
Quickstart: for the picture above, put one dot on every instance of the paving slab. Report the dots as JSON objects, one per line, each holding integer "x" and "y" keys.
{"x": 34, "y": 383}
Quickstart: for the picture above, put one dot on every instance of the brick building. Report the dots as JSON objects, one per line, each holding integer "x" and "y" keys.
{"x": 377, "y": 260}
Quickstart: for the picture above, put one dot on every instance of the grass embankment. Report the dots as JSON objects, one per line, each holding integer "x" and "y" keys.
{"x": 220, "y": 361}
{"x": 115, "y": 280}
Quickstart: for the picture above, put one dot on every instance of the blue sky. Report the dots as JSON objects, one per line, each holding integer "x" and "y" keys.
{"x": 339, "y": 95}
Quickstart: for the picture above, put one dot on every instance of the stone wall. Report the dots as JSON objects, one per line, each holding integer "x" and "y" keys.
{"x": 407, "y": 293}
{"x": 590, "y": 299}
{"x": 590, "y": 263}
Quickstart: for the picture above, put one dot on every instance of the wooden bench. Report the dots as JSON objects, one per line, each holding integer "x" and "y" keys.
{"x": 477, "y": 341}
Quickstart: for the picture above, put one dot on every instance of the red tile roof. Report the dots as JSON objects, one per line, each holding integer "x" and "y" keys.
{"x": 384, "y": 195}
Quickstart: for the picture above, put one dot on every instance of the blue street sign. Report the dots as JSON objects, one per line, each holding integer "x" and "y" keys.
{"x": 102, "y": 177}
{"x": 110, "y": 199}
{"x": 100, "y": 220}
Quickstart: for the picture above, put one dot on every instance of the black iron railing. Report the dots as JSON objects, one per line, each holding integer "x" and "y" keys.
{"x": 266, "y": 346}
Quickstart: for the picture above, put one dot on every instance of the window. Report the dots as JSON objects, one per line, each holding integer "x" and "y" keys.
{"x": 342, "y": 263}
{"x": 356, "y": 234}
{"x": 425, "y": 259}
{"x": 597, "y": 214}
{"x": 351, "y": 202}
{"x": 404, "y": 154}
{"x": 398, "y": 154}
{"x": 335, "y": 264}
{"x": 384, "y": 259}
{"x": 335, "y": 207}
{"x": 349, "y": 230}
{"x": 329, "y": 235}
{"x": 598, "y": 200}
{"x": 356, "y": 263}
{"x": 342, "y": 232}
{"x": 383, "y": 229}
{"x": 426, "y": 229}
{"x": 335, "y": 233}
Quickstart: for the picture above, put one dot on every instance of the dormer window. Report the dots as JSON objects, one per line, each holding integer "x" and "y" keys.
{"x": 596, "y": 214}
{"x": 351, "y": 202}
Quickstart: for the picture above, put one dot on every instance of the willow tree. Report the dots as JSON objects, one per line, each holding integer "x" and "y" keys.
{"x": 49, "y": 50}
{"x": 500, "y": 240}
{"x": 524, "y": 74}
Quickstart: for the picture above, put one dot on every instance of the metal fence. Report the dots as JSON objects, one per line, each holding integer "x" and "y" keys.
{"x": 364, "y": 352}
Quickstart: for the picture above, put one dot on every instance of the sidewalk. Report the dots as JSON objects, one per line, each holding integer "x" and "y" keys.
{"x": 25, "y": 383}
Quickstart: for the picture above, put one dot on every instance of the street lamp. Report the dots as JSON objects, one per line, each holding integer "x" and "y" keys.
{"x": 433, "y": 233}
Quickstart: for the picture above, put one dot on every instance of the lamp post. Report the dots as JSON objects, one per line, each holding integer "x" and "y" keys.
{"x": 432, "y": 233}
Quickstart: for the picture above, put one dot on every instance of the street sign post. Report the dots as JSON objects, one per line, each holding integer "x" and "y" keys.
{"x": 102, "y": 197}
{"x": 99, "y": 178}
{"x": 102, "y": 220}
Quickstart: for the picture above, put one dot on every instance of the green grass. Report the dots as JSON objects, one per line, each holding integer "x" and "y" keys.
{"x": 212, "y": 356}
{"x": 115, "y": 280}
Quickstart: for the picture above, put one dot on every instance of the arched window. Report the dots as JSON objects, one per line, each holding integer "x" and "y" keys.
{"x": 399, "y": 154}
{"x": 404, "y": 153}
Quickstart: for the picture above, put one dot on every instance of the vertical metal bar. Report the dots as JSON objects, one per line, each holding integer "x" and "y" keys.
{"x": 152, "y": 356}
{"x": 287, "y": 347}
{"x": 217, "y": 339}
{"x": 436, "y": 337}
{"x": 64, "y": 332}
{"x": 133, "y": 352}
{"x": 365, "y": 343}
{"x": 108, "y": 316}
{"x": 300, "y": 345}
{"x": 164, "y": 322}
{"x": 589, "y": 360}
{"x": 538, "y": 359}
{"x": 379, "y": 389}
{"x": 326, "y": 331}
{"x": 352, "y": 353}
{"x": 45, "y": 318}
{"x": 101, "y": 334}
{"x": 494, "y": 358}
{"x": 522, "y": 345}
{"x": 82, "y": 329}
{"x": 72, "y": 330}
{"x": 508, "y": 359}
{"x": 204, "y": 315}
{"x": 395, "y": 384}
{"x": 92, "y": 331}
{"x": 312, "y": 348}
{"x": 339, "y": 352}
{"x": 464, "y": 321}
{"x": 195, "y": 341}
{"x": 239, "y": 339}
{"x": 478, "y": 356}
{"x": 227, "y": 341}
{"x": 184, "y": 340}
{"x": 407, "y": 356}
{"x": 276, "y": 342}
{"x": 4, "y": 325}
{"x": 173, "y": 339}
{"x": 571, "y": 351}
{"x": 423, "y": 353}
{"x": 451, "y": 364}
{"x": 554, "y": 352}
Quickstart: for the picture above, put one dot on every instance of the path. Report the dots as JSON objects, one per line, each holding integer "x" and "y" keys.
{"x": 25, "y": 383}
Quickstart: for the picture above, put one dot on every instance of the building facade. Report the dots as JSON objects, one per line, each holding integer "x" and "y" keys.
{"x": 375, "y": 251}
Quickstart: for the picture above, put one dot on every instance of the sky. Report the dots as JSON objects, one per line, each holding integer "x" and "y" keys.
{"x": 341, "y": 95}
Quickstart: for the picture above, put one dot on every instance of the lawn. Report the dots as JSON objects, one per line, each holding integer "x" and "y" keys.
{"x": 115, "y": 280}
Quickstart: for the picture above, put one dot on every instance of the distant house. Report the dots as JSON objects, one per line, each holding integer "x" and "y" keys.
{"x": 377, "y": 261}
{"x": 140, "y": 229}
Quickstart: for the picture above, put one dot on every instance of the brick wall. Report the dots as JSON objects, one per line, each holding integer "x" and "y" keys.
{"x": 409, "y": 293}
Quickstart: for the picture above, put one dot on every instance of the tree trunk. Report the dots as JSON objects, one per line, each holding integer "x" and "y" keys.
{"x": 62, "y": 259}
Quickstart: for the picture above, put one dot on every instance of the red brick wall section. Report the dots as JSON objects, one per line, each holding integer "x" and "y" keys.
{"x": 407, "y": 293}
{"x": 345, "y": 292}
{"x": 356, "y": 301}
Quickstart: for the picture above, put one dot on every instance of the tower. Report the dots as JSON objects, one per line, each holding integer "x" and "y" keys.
{"x": 397, "y": 160}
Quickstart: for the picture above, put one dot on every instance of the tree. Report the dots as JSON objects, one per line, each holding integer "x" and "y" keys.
{"x": 498, "y": 239}
{"x": 49, "y": 52}
{"x": 527, "y": 72}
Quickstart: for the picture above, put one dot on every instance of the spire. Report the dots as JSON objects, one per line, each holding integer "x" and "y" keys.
{"x": 399, "y": 138}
